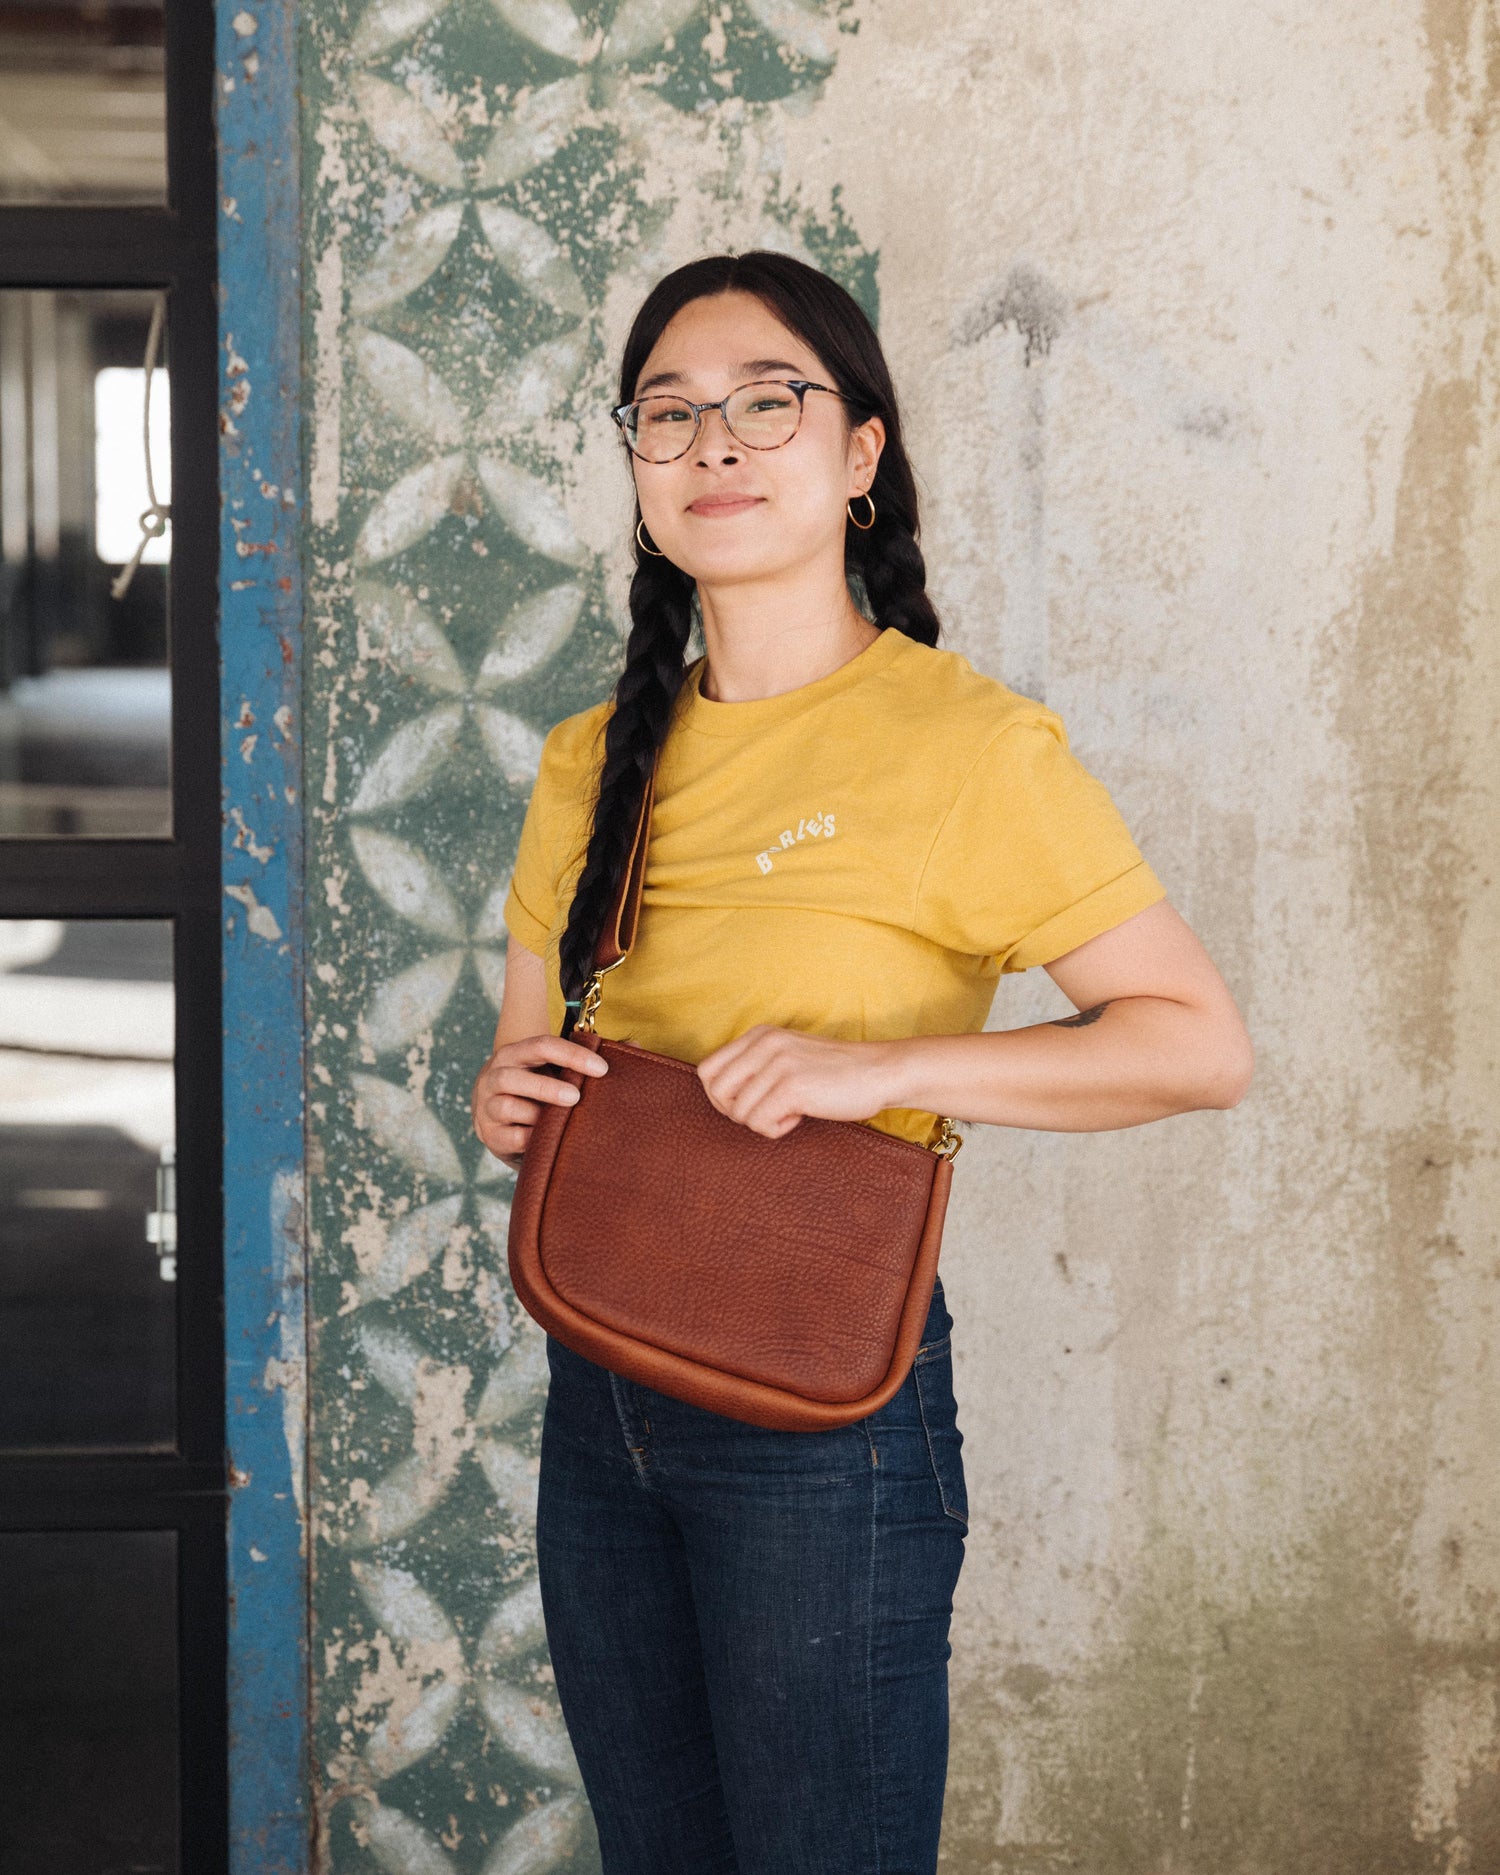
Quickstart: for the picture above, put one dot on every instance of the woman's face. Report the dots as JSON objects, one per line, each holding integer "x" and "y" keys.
{"x": 725, "y": 513}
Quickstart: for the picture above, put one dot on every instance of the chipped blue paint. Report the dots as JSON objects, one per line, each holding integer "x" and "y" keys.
{"x": 261, "y": 660}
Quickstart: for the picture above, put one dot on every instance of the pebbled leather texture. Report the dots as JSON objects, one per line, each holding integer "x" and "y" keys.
{"x": 781, "y": 1282}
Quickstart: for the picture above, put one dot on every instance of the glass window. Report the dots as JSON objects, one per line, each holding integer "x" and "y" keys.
{"x": 85, "y": 691}
{"x": 112, "y": 1537}
{"x": 87, "y": 1175}
{"x": 121, "y": 489}
{"x": 89, "y": 1721}
{"x": 83, "y": 103}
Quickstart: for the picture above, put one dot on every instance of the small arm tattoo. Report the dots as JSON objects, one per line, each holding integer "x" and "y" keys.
{"x": 1082, "y": 1019}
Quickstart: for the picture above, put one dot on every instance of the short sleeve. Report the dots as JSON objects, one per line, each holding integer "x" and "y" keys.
{"x": 552, "y": 831}
{"x": 1033, "y": 858}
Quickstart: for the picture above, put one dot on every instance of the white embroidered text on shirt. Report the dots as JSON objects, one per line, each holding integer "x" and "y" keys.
{"x": 819, "y": 827}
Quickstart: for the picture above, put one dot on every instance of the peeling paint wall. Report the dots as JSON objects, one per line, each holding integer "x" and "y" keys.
{"x": 264, "y": 953}
{"x": 1194, "y": 319}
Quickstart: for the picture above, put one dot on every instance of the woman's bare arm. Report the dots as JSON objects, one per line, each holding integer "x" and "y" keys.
{"x": 1157, "y": 1033}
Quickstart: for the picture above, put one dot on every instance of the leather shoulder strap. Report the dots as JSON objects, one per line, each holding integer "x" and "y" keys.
{"x": 618, "y": 934}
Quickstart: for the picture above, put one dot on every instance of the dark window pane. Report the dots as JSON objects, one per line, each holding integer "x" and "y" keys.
{"x": 87, "y": 1198}
{"x": 85, "y": 689}
{"x": 88, "y": 1723}
{"x": 82, "y": 102}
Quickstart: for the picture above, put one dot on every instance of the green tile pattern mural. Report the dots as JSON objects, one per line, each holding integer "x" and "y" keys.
{"x": 491, "y": 185}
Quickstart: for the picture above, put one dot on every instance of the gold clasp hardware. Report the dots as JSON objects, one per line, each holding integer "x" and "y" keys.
{"x": 589, "y": 1006}
{"x": 593, "y": 995}
{"x": 948, "y": 1141}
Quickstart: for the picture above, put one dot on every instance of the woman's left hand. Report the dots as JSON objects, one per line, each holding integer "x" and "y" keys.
{"x": 768, "y": 1078}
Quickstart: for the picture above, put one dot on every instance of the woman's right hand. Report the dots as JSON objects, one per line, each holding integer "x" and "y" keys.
{"x": 511, "y": 1089}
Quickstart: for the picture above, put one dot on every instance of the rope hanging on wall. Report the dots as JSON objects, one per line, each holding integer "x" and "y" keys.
{"x": 157, "y": 514}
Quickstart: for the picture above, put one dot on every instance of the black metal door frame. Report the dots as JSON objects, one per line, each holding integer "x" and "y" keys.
{"x": 171, "y": 248}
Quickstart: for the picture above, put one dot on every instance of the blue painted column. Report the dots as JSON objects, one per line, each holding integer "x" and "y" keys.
{"x": 260, "y": 603}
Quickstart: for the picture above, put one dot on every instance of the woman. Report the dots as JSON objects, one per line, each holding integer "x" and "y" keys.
{"x": 854, "y": 834}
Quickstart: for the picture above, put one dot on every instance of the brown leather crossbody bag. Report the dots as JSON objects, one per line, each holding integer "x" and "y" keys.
{"x": 784, "y": 1282}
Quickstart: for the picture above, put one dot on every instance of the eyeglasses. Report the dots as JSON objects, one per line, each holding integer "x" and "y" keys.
{"x": 762, "y": 415}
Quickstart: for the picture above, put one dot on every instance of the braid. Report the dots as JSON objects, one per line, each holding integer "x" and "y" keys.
{"x": 886, "y": 556}
{"x": 661, "y": 618}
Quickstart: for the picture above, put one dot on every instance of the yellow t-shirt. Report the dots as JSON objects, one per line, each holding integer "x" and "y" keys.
{"x": 860, "y": 857}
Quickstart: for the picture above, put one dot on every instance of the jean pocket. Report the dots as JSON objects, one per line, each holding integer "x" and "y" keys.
{"x": 933, "y": 1370}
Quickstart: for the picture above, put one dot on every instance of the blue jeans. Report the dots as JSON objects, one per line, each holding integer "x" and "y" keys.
{"x": 750, "y": 1628}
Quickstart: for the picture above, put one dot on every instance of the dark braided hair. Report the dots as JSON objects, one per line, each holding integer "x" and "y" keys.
{"x": 884, "y": 559}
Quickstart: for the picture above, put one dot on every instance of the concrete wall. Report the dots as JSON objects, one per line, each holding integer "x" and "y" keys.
{"x": 1194, "y": 316}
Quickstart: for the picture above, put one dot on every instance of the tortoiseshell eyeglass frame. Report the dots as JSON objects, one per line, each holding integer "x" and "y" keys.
{"x": 621, "y": 414}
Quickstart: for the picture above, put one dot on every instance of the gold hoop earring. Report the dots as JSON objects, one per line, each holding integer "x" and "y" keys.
{"x": 644, "y": 545}
{"x": 863, "y": 526}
